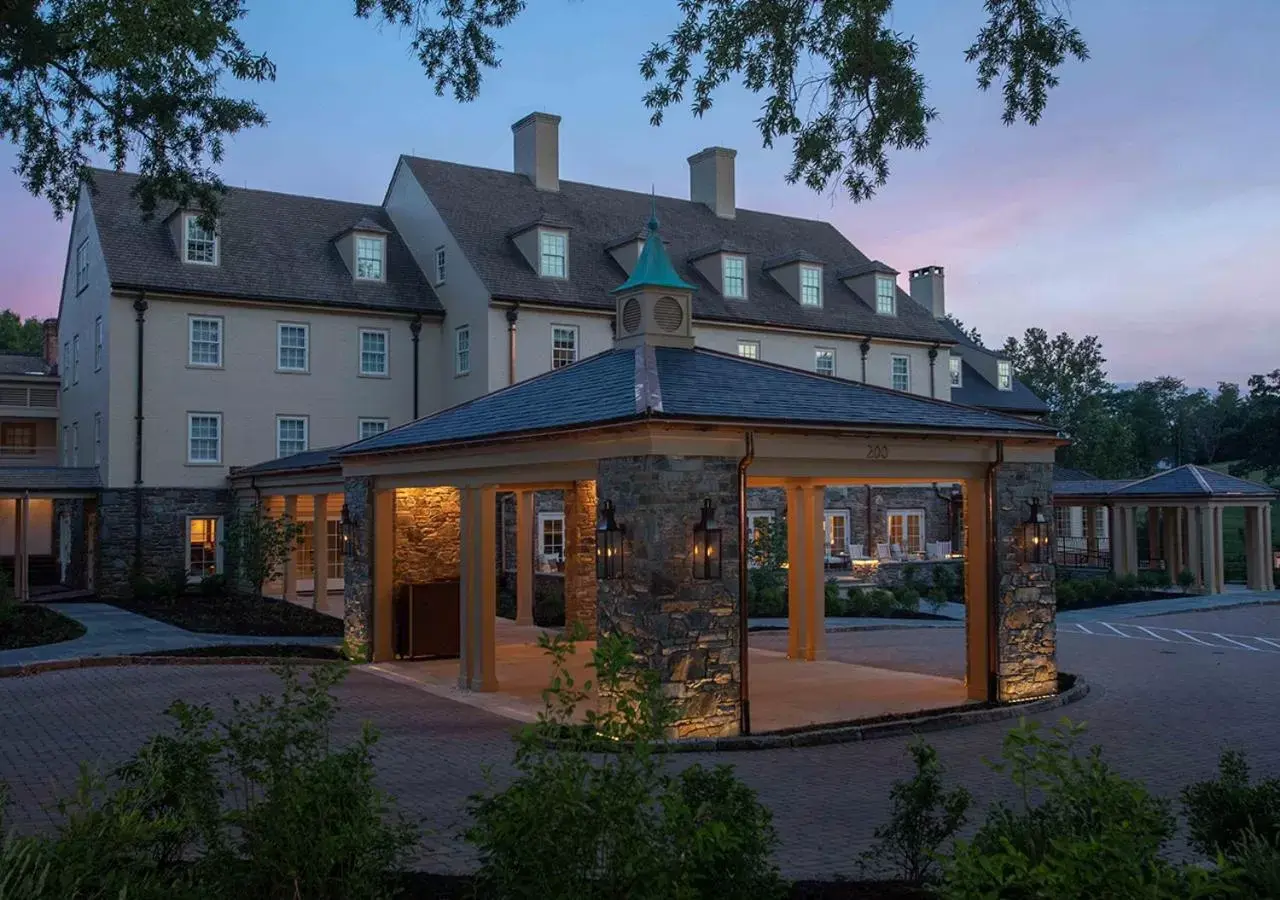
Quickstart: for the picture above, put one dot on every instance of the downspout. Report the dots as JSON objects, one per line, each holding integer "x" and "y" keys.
{"x": 993, "y": 578}
{"x": 744, "y": 694}
{"x": 865, "y": 347}
{"x": 951, "y": 511}
{"x": 933, "y": 362}
{"x": 415, "y": 330}
{"x": 140, "y": 307}
{"x": 512, "y": 314}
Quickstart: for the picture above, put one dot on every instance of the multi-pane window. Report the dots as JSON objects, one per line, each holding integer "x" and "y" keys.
{"x": 75, "y": 443}
{"x": 440, "y": 260}
{"x": 305, "y": 552}
{"x": 291, "y": 348}
{"x": 97, "y": 344}
{"x": 906, "y": 530}
{"x": 97, "y": 439}
{"x": 75, "y": 359}
{"x": 17, "y": 439}
{"x": 65, "y": 364}
{"x": 757, "y": 521}
{"x": 462, "y": 350}
{"x": 369, "y": 252}
{"x": 886, "y": 296}
{"x": 749, "y": 349}
{"x": 201, "y": 245}
{"x": 810, "y": 286}
{"x": 204, "y": 437}
{"x": 373, "y": 352}
{"x": 900, "y": 372}
{"x": 824, "y": 361}
{"x": 957, "y": 369}
{"x": 552, "y": 245}
{"x": 734, "y": 277}
{"x": 66, "y": 445}
{"x": 333, "y": 531}
{"x": 203, "y": 553}
{"x": 206, "y": 341}
{"x": 551, "y": 537}
{"x": 564, "y": 345}
{"x": 371, "y": 427}
{"x": 837, "y": 529}
{"x": 82, "y": 265}
{"x": 291, "y": 435}
{"x": 1004, "y": 375}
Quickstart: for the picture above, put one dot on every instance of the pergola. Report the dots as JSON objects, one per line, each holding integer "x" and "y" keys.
{"x": 1184, "y": 509}
{"x": 22, "y": 484}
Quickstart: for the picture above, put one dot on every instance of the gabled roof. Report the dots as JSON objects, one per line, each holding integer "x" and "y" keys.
{"x": 967, "y": 343}
{"x": 674, "y": 384}
{"x": 323, "y": 458}
{"x": 481, "y": 205}
{"x": 653, "y": 268}
{"x": 23, "y": 364}
{"x": 1194, "y": 481}
{"x": 1088, "y": 487}
{"x": 1066, "y": 473}
{"x": 975, "y": 390}
{"x": 50, "y": 480}
{"x": 273, "y": 247}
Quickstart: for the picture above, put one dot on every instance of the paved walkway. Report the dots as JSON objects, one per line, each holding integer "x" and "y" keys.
{"x": 111, "y": 631}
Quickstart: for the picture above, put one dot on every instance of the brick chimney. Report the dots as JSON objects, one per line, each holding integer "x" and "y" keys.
{"x": 711, "y": 180}
{"x": 927, "y": 289}
{"x": 51, "y": 342}
{"x": 537, "y": 150}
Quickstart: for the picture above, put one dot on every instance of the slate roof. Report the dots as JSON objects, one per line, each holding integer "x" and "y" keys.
{"x": 1194, "y": 481}
{"x": 23, "y": 364}
{"x": 49, "y": 479}
{"x": 671, "y": 384}
{"x": 1066, "y": 473}
{"x": 322, "y": 458}
{"x": 273, "y": 246}
{"x": 975, "y": 390}
{"x": 481, "y": 205}
{"x": 1092, "y": 487}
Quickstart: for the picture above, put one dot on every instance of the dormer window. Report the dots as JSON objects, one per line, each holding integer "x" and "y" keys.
{"x": 553, "y": 251}
{"x": 370, "y": 253}
{"x": 1004, "y": 375}
{"x": 810, "y": 286}
{"x": 200, "y": 244}
{"x": 734, "y": 277}
{"x": 886, "y": 296}
{"x": 957, "y": 372}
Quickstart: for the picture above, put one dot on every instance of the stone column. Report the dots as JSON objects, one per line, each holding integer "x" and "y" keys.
{"x": 684, "y": 627}
{"x": 524, "y": 557}
{"x": 357, "y": 570}
{"x": 320, "y": 550}
{"x": 1026, "y": 637}
{"x": 21, "y": 544}
{"x": 477, "y": 666}
{"x": 580, "y": 556}
{"x": 291, "y": 561}
{"x": 383, "y": 560}
{"x": 979, "y": 633}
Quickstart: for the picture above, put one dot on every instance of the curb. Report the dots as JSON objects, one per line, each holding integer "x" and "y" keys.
{"x": 22, "y": 670}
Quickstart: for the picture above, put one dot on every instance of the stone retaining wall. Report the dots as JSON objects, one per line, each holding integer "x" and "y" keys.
{"x": 428, "y": 535}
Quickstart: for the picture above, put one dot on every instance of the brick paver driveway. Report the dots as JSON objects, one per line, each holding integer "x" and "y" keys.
{"x": 1162, "y": 710}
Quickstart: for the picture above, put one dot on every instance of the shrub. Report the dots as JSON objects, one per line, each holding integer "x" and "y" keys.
{"x": 1161, "y": 578}
{"x": 923, "y": 816}
{"x": 8, "y": 601}
{"x": 870, "y": 602}
{"x": 906, "y": 599}
{"x": 213, "y": 587}
{"x": 769, "y": 601}
{"x": 548, "y": 605}
{"x": 946, "y": 584}
{"x": 910, "y": 575}
{"x": 1068, "y": 594}
{"x": 1186, "y": 580}
{"x": 834, "y": 604}
{"x": 1223, "y": 811}
{"x": 1126, "y": 584}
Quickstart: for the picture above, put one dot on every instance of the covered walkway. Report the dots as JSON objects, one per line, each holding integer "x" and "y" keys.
{"x": 24, "y": 489}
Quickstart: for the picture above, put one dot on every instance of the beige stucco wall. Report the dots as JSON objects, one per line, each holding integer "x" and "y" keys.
{"x": 533, "y": 341}
{"x": 248, "y": 391}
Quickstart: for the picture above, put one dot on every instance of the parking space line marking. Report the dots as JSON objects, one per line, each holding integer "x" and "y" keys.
{"x": 1192, "y": 637}
{"x": 1115, "y": 629}
{"x": 1268, "y": 641}
{"x": 1082, "y": 628}
{"x": 1234, "y": 641}
{"x": 1152, "y": 633}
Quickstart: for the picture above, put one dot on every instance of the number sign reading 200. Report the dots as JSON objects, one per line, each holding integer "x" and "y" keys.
{"x": 877, "y": 451}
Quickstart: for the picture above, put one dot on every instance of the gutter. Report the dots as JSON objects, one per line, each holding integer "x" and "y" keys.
{"x": 744, "y": 693}
{"x": 993, "y": 578}
{"x": 933, "y": 364}
{"x": 865, "y": 347}
{"x": 140, "y": 306}
{"x": 512, "y": 315}
{"x": 415, "y": 331}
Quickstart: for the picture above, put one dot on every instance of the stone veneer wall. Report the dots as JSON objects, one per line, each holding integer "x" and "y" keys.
{"x": 428, "y": 538}
{"x": 357, "y": 571}
{"x": 164, "y": 532}
{"x": 580, "y": 589}
{"x": 1026, "y": 635}
{"x": 82, "y": 515}
{"x": 685, "y": 628}
{"x": 854, "y": 500}
{"x": 543, "y": 502}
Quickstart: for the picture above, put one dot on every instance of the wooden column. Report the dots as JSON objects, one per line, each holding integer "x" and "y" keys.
{"x": 1091, "y": 532}
{"x": 815, "y": 557}
{"x": 1153, "y": 537}
{"x": 1194, "y": 544}
{"x": 1208, "y": 549}
{"x": 383, "y": 570}
{"x": 524, "y": 557}
{"x": 1219, "y": 561}
{"x": 291, "y": 562}
{"x": 1269, "y": 563}
{"x": 805, "y": 582}
{"x": 477, "y": 669}
{"x": 1117, "y": 543}
{"x": 21, "y": 548}
{"x": 1131, "y": 541}
{"x": 977, "y": 594}
{"x": 1169, "y": 540}
{"x": 1253, "y": 577}
{"x": 320, "y": 550}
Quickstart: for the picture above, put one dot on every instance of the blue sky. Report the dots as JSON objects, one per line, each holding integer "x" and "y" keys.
{"x": 1145, "y": 208}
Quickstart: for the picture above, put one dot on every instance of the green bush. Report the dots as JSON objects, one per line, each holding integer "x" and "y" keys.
{"x": 548, "y": 605}
{"x": 1126, "y": 584}
{"x": 1222, "y": 812}
{"x": 870, "y": 602}
{"x": 906, "y": 599}
{"x": 1186, "y": 580}
{"x": 1068, "y": 594}
{"x": 947, "y": 586}
{"x": 213, "y": 587}
{"x": 769, "y": 602}
{"x": 833, "y": 602}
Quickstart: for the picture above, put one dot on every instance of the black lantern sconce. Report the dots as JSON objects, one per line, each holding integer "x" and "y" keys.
{"x": 348, "y": 524}
{"x": 706, "y": 545}
{"x": 610, "y": 555}
{"x": 1035, "y": 536}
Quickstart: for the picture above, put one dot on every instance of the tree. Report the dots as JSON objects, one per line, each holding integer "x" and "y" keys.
{"x": 971, "y": 333}
{"x": 1155, "y": 412}
{"x": 1261, "y": 426}
{"x": 258, "y": 546}
{"x": 17, "y": 336}
{"x": 144, "y": 77}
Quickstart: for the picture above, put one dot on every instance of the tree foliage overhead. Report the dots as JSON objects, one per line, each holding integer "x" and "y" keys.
{"x": 18, "y": 336}
{"x": 144, "y": 82}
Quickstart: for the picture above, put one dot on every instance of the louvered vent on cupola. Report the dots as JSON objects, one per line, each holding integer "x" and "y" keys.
{"x": 654, "y": 303}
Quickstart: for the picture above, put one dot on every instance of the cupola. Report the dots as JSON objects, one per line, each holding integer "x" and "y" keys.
{"x": 654, "y": 305}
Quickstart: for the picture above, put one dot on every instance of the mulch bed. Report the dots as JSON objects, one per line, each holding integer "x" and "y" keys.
{"x": 28, "y": 625}
{"x": 426, "y": 886}
{"x": 237, "y": 615}
{"x": 282, "y": 651}
{"x": 1132, "y": 597}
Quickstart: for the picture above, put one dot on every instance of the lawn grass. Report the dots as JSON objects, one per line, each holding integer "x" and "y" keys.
{"x": 1233, "y": 529}
{"x": 236, "y": 615}
{"x": 29, "y": 625}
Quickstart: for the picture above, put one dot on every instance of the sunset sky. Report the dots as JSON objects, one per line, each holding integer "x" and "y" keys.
{"x": 1145, "y": 208}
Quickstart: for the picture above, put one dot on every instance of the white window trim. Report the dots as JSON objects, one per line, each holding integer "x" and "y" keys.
{"x": 957, "y": 377}
{"x": 363, "y": 420}
{"x": 217, "y": 244}
{"x": 803, "y": 270}
{"x": 75, "y": 443}
{"x": 551, "y": 517}
{"x": 893, "y": 295}
{"x": 577, "y": 340}
{"x": 306, "y": 434}
{"x": 97, "y": 439}
{"x": 75, "y": 359}
{"x": 442, "y": 258}
{"x": 381, "y": 240}
{"x": 82, "y": 266}
{"x": 386, "y": 352}
{"x": 98, "y": 340}
{"x": 191, "y": 339}
{"x": 725, "y": 259}
{"x": 218, "y": 564}
{"x": 306, "y": 330}
{"x": 458, "y": 369}
{"x": 1003, "y": 367}
{"x": 204, "y": 462}
{"x": 827, "y": 516}
{"x": 755, "y": 344}
{"x": 544, "y": 233}
{"x": 906, "y": 513}
{"x": 817, "y": 352}
{"x": 892, "y": 359}
{"x": 64, "y": 365}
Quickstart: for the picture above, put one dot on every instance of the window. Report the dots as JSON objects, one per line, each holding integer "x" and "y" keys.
{"x": 1004, "y": 375}
{"x": 82, "y": 265}
{"x": 749, "y": 349}
{"x": 206, "y": 341}
{"x": 757, "y": 521}
{"x": 305, "y": 550}
{"x": 462, "y": 350}
{"x": 837, "y": 530}
{"x": 204, "y": 550}
{"x": 291, "y": 351}
{"x": 66, "y": 445}
{"x": 75, "y": 359}
{"x": 824, "y": 361}
{"x": 373, "y": 352}
{"x": 734, "y": 277}
{"x": 1062, "y": 521}
{"x": 97, "y": 439}
{"x": 440, "y": 258}
{"x": 906, "y": 530}
{"x": 551, "y": 539}
{"x": 370, "y": 427}
{"x": 204, "y": 437}
{"x": 75, "y": 443}
{"x": 291, "y": 435}
{"x": 564, "y": 345}
{"x": 553, "y": 247}
{"x": 336, "y": 548}
{"x": 886, "y": 296}
{"x": 810, "y": 286}
{"x": 17, "y": 439}
{"x": 900, "y": 371}
{"x": 201, "y": 244}
{"x": 957, "y": 371}
{"x": 65, "y": 364}
{"x": 369, "y": 252}
{"x": 97, "y": 344}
